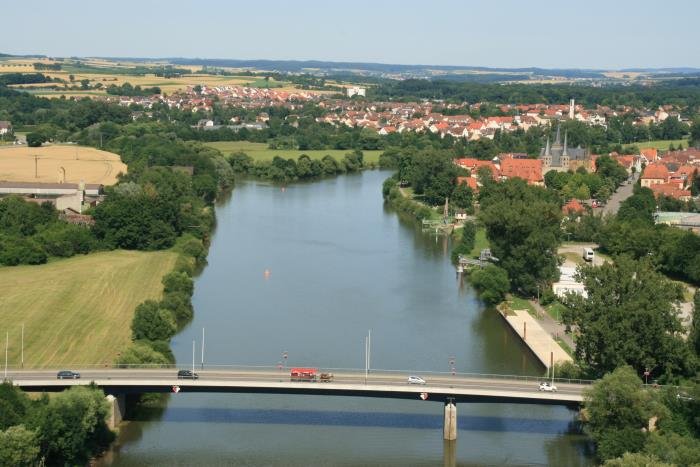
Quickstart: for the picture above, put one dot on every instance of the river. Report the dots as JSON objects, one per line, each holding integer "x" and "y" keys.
{"x": 339, "y": 263}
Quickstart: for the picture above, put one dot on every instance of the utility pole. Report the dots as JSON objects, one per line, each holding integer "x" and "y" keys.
{"x": 22, "y": 360}
{"x": 193, "y": 358}
{"x": 7, "y": 348}
{"x": 202, "y": 348}
{"x": 369, "y": 350}
{"x": 36, "y": 166}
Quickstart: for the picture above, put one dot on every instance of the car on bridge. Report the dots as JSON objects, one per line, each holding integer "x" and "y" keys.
{"x": 187, "y": 374}
{"x": 67, "y": 374}
{"x": 547, "y": 387}
{"x": 415, "y": 380}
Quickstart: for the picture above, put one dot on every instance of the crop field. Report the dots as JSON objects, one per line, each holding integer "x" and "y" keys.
{"x": 77, "y": 311}
{"x": 17, "y": 164}
{"x": 260, "y": 151}
{"x": 112, "y": 76}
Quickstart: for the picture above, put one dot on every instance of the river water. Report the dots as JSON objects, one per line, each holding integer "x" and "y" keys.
{"x": 339, "y": 263}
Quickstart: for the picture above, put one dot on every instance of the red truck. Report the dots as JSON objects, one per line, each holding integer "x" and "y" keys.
{"x": 309, "y": 374}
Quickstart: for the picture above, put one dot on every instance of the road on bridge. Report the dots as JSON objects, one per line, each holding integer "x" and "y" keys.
{"x": 377, "y": 384}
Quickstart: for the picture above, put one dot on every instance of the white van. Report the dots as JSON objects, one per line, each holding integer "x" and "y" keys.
{"x": 588, "y": 254}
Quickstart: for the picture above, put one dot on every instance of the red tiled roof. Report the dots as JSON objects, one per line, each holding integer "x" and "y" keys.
{"x": 669, "y": 189}
{"x": 572, "y": 206}
{"x": 649, "y": 153}
{"x": 527, "y": 169}
{"x": 655, "y": 172}
{"x": 469, "y": 181}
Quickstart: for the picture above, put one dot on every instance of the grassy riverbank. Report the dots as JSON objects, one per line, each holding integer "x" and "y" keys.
{"x": 78, "y": 310}
{"x": 261, "y": 151}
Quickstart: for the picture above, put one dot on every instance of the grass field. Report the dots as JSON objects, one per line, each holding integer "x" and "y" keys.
{"x": 480, "y": 242}
{"x": 80, "y": 163}
{"x": 260, "y": 151}
{"x": 660, "y": 144}
{"x": 517, "y": 303}
{"x": 77, "y": 311}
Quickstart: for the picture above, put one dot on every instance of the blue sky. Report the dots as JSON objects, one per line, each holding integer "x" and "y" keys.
{"x": 504, "y": 33}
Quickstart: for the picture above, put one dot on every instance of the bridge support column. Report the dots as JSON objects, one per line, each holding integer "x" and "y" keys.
{"x": 117, "y": 410}
{"x": 450, "y": 425}
{"x": 449, "y": 453}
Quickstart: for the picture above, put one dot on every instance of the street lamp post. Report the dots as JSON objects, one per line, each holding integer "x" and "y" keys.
{"x": 7, "y": 348}
{"x": 202, "y": 348}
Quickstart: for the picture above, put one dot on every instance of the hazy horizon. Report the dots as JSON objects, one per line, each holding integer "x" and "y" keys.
{"x": 597, "y": 34}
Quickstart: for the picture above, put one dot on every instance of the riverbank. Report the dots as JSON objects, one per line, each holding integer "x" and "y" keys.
{"x": 76, "y": 311}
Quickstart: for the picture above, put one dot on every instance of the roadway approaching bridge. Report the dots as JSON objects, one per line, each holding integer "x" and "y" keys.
{"x": 441, "y": 387}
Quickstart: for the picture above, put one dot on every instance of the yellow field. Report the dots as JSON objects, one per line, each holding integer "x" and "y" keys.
{"x": 167, "y": 85}
{"x": 77, "y": 311}
{"x": 80, "y": 163}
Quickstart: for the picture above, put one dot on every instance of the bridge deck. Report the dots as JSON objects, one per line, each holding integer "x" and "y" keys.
{"x": 388, "y": 385}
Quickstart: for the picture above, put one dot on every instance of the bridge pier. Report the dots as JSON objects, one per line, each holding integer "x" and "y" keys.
{"x": 117, "y": 410}
{"x": 449, "y": 453}
{"x": 450, "y": 425}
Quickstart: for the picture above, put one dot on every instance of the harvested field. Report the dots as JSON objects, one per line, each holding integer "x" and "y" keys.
{"x": 77, "y": 311}
{"x": 17, "y": 164}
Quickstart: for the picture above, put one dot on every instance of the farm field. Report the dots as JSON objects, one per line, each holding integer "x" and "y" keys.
{"x": 111, "y": 76}
{"x": 660, "y": 144}
{"x": 260, "y": 151}
{"x": 77, "y": 311}
{"x": 80, "y": 163}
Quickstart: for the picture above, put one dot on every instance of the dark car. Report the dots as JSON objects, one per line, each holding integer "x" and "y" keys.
{"x": 67, "y": 374}
{"x": 187, "y": 374}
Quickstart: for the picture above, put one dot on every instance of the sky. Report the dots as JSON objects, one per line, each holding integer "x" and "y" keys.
{"x": 609, "y": 34}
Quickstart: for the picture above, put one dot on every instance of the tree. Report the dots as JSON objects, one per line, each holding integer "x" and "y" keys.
{"x": 463, "y": 197}
{"x": 694, "y": 337}
{"x": 636, "y": 460}
{"x": 695, "y": 132}
{"x": 641, "y": 205}
{"x": 71, "y": 426}
{"x": 13, "y": 406}
{"x": 34, "y": 139}
{"x": 466, "y": 241}
{"x": 152, "y": 322}
{"x": 617, "y": 407}
{"x": 491, "y": 282}
{"x": 630, "y": 317}
{"x": 19, "y": 447}
{"x": 523, "y": 225}
{"x": 139, "y": 353}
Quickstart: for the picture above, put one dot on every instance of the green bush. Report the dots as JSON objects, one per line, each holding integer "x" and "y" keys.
{"x": 178, "y": 281}
{"x": 142, "y": 352}
{"x": 491, "y": 282}
{"x": 152, "y": 322}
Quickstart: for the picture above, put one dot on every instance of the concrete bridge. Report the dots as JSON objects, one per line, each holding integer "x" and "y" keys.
{"x": 446, "y": 388}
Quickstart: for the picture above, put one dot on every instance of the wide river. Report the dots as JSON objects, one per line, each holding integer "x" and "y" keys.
{"x": 340, "y": 263}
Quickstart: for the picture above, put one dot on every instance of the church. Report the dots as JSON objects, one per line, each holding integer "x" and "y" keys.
{"x": 562, "y": 158}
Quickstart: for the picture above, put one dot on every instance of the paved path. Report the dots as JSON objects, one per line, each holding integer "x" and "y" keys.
{"x": 552, "y": 326}
{"x": 536, "y": 337}
{"x": 622, "y": 193}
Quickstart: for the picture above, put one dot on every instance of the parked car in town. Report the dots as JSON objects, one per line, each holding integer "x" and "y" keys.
{"x": 547, "y": 387}
{"x": 67, "y": 374}
{"x": 187, "y": 374}
{"x": 415, "y": 380}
